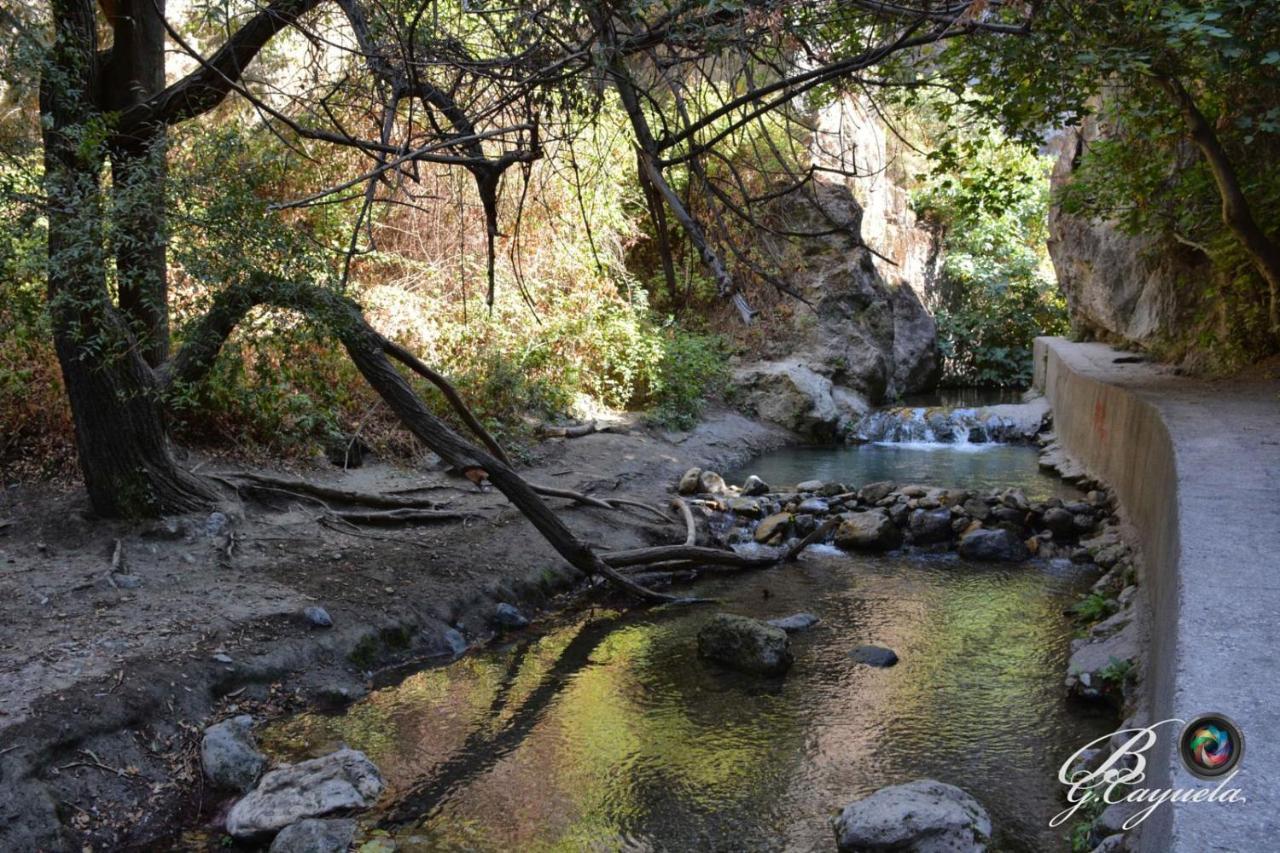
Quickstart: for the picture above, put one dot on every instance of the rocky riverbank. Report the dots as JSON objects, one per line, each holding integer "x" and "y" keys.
{"x": 264, "y": 611}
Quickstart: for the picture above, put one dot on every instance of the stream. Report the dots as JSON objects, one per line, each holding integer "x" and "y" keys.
{"x": 605, "y": 731}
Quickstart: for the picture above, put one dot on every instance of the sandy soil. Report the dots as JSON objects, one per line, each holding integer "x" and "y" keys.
{"x": 108, "y": 681}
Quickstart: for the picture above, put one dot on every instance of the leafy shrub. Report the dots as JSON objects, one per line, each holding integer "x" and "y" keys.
{"x": 998, "y": 291}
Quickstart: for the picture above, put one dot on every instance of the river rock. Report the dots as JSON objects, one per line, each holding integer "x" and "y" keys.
{"x": 341, "y": 781}
{"x": 977, "y": 508}
{"x": 924, "y": 816}
{"x": 814, "y": 506}
{"x": 746, "y": 507}
{"x": 795, "y": 623}
{"x": 1096, "y": 664}
{"x": 711, "y": 483}
{"x": 873, "y": 493}
{"x": 689, "y": 483}
{"x": 868, "y": 531}
{"x": 930, "y": 525}
{"x": 315, "y": 836}
{"x": 229, "y": 754}
{"x": 753, "y": 486}
{"x": 443, "y": 642}
{"x": 999, "y": 545}
{"x": 508, "y": 616}
{"x": 874, "y": 656}
{"x": 810, "y": 486}
{"x": 1059, "y": 522}
{"x": 318, "y": 617}
{"x": 830, "y": 490}
{"x": 773, "y": 527}
{"x": 745, "y": 644}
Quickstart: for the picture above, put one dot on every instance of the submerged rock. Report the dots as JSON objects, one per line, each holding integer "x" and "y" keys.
{"x": 229, "y": 754}
{"x": 794, "y": 623}
{"x": 745, "y": 644}
{"x": 341, "y": 781}
{"x": 868, "y": 531}
{"x": 874, "y": 656}
{"x": 998, "y": 545}
{"x": 753, "y": 486}
{"x": 924, "y": 816}
{"x": 315, "y": 836}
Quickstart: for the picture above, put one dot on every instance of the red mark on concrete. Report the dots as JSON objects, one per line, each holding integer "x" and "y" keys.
{"x": 1100, "y": 420}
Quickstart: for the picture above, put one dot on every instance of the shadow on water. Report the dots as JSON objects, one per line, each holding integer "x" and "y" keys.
{"x": 607, "y": 732}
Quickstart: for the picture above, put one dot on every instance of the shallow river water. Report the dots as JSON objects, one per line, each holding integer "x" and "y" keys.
{"x": 607, "y": 732}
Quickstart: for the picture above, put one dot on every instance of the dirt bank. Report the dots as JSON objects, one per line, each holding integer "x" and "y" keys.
{"x": 109, "y": 678}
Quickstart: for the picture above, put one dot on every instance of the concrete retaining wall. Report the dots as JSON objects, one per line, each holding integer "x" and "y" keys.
{"x": 1196, "y": 467}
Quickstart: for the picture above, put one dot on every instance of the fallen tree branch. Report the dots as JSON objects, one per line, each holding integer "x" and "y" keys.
{"x": 816, "y": 535}
{"x": 687, "y": 553}
{"x": 576, "y": 431}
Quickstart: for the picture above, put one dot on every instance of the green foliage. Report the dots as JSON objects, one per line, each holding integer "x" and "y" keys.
{"x": 1094, "y": 607}
{"x": 1117, "y": 672}
{"x": 998, "y": 293}
{"x": 1116, "y": 63}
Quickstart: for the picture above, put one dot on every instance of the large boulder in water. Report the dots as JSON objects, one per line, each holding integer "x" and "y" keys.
{"x": 339, "y": 782}
{"x": 745, "y": 644}
{"x": 998, "y": 545}
{"x": 868, "y": 531}
{"x": 924, "y": 816}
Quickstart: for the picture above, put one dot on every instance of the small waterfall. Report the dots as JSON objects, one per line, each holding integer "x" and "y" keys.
{"x": 934, "y": 425}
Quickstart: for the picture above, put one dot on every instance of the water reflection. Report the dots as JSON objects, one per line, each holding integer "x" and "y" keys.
{"x": 973, "y": 466}
{"x": 609, "y": 733}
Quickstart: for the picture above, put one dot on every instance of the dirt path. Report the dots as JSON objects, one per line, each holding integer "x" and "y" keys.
{"x": 108, "y": 679}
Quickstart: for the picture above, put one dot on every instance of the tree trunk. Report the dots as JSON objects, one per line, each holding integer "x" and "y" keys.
{"x": 115, "y": 405}
{"x": 133, "y": 72}
{"x": 1237, "y": 215}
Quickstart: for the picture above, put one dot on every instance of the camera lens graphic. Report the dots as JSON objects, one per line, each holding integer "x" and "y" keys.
{"x": 1211, "y": 745}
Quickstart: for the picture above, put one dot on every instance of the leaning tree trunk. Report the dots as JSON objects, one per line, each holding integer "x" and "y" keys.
{"x": 115, "y": 405}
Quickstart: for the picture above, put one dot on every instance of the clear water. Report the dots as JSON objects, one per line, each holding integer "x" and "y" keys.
{"x": 971, "y": 466}
{"x": 607, "y": 732}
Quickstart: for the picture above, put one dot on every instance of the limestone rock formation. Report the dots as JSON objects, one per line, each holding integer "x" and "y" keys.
{"x": 870, "y": 336}
{"x": 1122, "y": 288}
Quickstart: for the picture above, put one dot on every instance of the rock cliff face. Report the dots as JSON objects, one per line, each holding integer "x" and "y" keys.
{"x": 1123, "y": 289}
{"x": 870, "y": 337}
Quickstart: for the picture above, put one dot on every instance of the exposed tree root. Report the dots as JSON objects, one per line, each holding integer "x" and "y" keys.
{"x": 295, "y": 485}
{"x": 400, "y": 516}
{"x": 691, "y": 528}
{"x": 686, "y": 553}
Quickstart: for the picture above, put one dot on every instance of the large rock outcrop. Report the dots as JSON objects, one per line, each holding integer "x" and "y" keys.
{"x": 870, "y": 336}
{"x": 1126, "y": 289}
